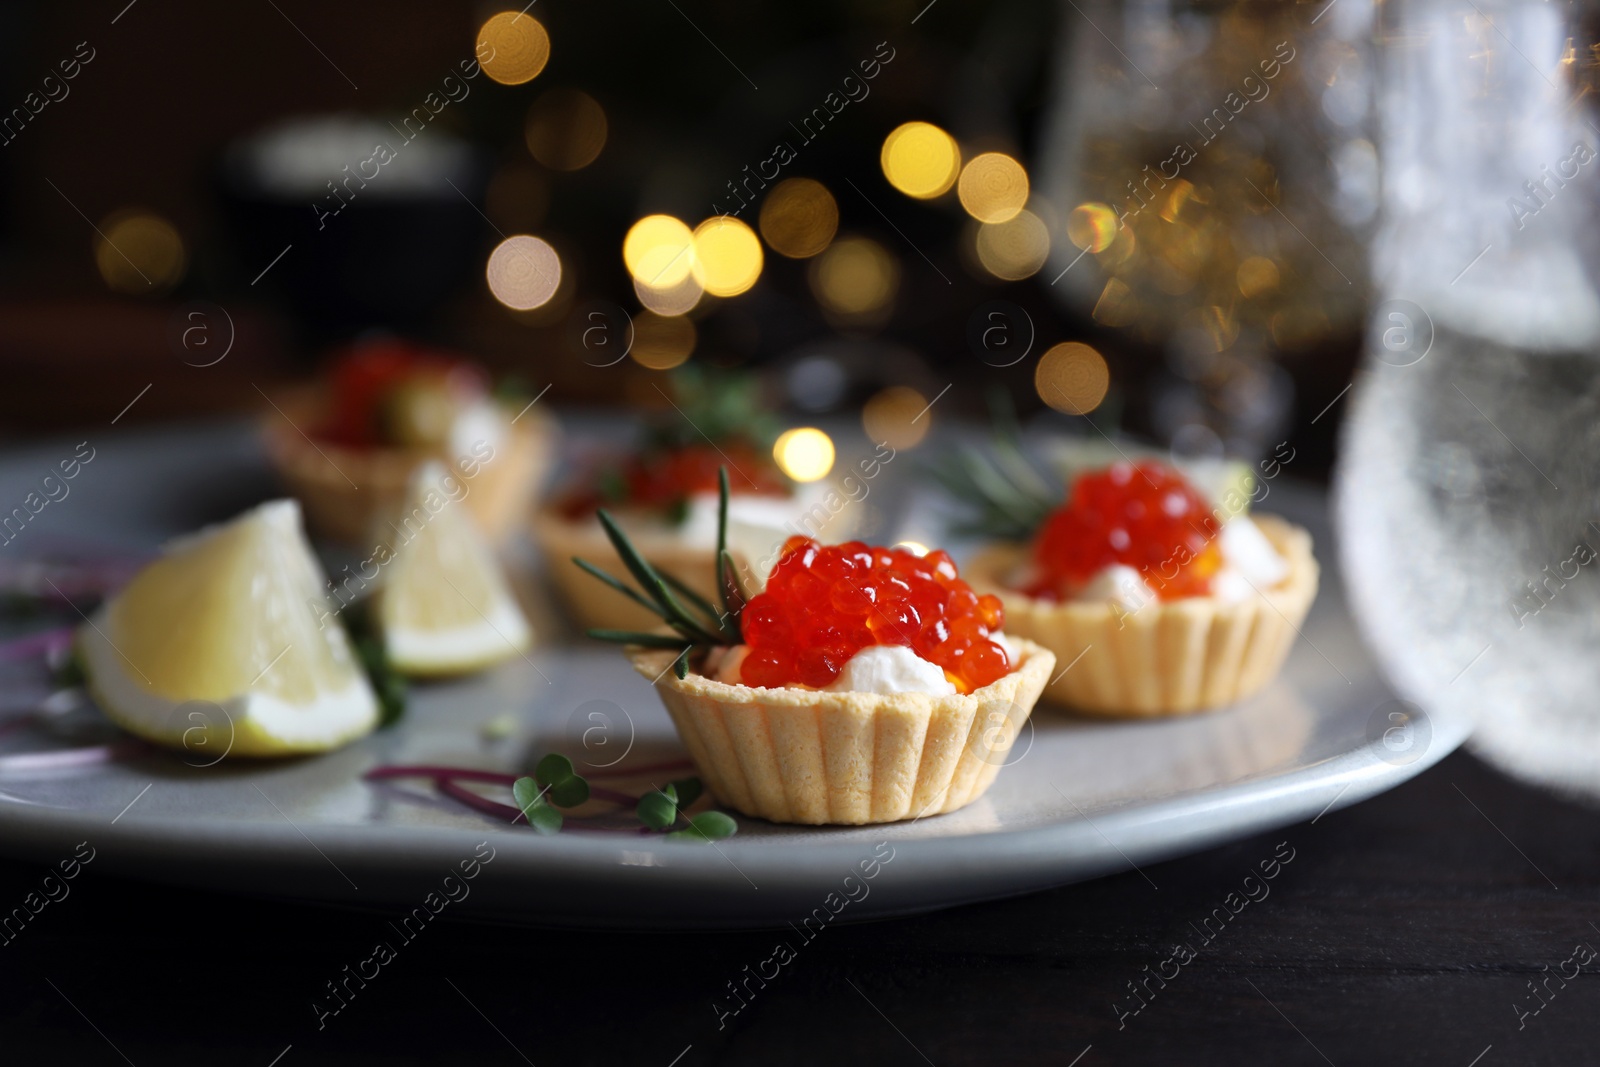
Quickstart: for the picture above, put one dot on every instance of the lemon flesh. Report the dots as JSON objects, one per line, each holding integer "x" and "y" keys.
{"x": 230, "y": 619}
{"x": 445, "y": 606}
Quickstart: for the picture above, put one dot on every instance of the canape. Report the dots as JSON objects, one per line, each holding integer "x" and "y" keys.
{"x": 858, "y": 685}
{"x": 1155, "y": 600}
{"x": 664, "y": 494}
{"x": 349, "y": 448}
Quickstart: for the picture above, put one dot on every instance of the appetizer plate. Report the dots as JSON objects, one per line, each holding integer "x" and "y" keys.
{"x": 1079, "y": 798}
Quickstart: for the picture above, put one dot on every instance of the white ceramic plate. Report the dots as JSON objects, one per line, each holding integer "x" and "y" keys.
{"x": 1079, "y": 800}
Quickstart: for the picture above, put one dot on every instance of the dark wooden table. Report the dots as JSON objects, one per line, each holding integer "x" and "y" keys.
{"x": 1405, "y": 930}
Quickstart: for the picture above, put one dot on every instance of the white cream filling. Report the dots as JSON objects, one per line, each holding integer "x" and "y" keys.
{"x": 875, "y": 669}
{"x": 891, "y": 669}
{"x": 479, "y": 424}
{"x": 1249, "y": 565}
{"x": 1121, "y": 585}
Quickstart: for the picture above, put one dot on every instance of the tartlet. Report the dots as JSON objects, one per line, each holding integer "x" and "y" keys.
{"x": 350, "y": 466}
{"x": 856, "y": 685}
{"x": 663, "y": 493}
{"x": 1168, "y": 658}
{"x": 1134, "y": 585}
{"x": 805, "y": 756}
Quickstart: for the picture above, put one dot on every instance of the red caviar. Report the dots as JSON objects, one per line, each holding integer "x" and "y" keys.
{"x": 823, "y": 604}
{"x": 664, "y": 477}
{"x": 1146, "y": 516}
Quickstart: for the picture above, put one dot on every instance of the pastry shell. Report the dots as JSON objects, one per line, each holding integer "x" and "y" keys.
{"x": 346, "y": 492}
{"x": 1169, "y": 657}
{"x": 817, "y": 757}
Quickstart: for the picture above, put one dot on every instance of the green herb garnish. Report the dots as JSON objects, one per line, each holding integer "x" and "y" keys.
{"x": 1007, "y": 495}
{"x": 554, "y": 784}
{"x": 389, "y": 686}
{"x": 661, "y": 809}
{"x": 699, "y": 625}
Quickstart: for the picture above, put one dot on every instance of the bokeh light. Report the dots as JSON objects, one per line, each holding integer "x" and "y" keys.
{"x": 513, "y": 48}
{"x": 993, "y": 187}
{"x": 727, "y": 256}
{"x": 677, "y": 299}
{"x": 1092, "y": 226}
{"x": 1257, "y": 275}
{"x": 139, "y": 252}
{"x": 1072, "y": 378}
{"x": 916, "y": 548}
{"x": 566, "y": 129}
{"x": 799, "y": 217}
{"x": 920, "y": 160}
{"x": 898, "y": 416}
{"x": 524, "y": 272}
{"x": 661, "y": 342}
{"x": 659, "y": 251}
{"x": 855, "y": 276}
{"x": 1014, "y": 249}
{"x": 804, "y": 454}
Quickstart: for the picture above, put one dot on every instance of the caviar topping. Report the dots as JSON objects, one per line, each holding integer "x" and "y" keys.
{"x": 823, "y": 604}
{"x": 396, "y": 394}
{"x": 667, "y": 479}
{"x": 1146, "y": 516}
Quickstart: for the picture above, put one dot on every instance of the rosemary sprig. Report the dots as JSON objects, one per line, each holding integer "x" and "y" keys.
{"x": 1007, "y": 495}
{"x": 698, "y": 623}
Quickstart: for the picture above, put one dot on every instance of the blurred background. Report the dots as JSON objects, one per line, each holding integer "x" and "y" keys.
{"x": 875, "y": 208}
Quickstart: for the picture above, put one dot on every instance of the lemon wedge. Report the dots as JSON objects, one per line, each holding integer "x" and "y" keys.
{"x": 444, "y": 606}
{"x": 225, "y": 642}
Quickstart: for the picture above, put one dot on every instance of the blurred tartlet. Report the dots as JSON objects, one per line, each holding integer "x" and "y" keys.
{"x": 348, "y": 449}
{"x": 664, "y": 495}
{"x": 1156, "y": 600}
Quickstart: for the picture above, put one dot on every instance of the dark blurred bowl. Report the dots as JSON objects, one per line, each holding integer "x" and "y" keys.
{"x": 391, "y": 254}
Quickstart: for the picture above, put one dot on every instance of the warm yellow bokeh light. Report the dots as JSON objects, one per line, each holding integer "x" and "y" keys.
{"x": 727, "y": 256}
{"x": 855, "y": 276}
{"x": 566, "y": 129}
{"x": 993, "y": 187}
{"x": 661, "y": 342}
{"x": 659, "y": 251}
{"x": 898, "y": 416}
{"x": 920, "y": 160}
{"x": 1092, "y": 226}
{"x": 799, "y": 217}
{"x": 513, "y": 48}
{"x": 137, "y": 252}
{"x": 1014, "y": 249}
{"x": 524, "y": 272}
{"x": 1257, "y": 275}
{"x": 1072, "y": 378}
{"x": 804, "y": 454}
{"x": 677, "y": 299}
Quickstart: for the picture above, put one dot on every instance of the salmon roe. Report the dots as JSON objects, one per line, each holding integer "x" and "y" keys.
{"x": 661, "y": 478}
{"x": 823, "y": 604}
{"x": 1146, "y": 516}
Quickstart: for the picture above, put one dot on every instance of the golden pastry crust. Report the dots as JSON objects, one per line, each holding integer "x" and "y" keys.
{"x": 816, "y": 757}
{"x": 345, "y": 492}
{"x": 1170, "y": 657}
